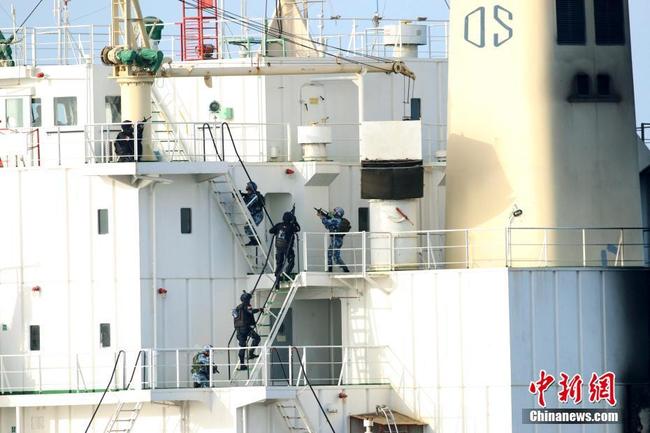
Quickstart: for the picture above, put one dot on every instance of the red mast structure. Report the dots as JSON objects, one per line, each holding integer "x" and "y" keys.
{"x": 200, "y": 30}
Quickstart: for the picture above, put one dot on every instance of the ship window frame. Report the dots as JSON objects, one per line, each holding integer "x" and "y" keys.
{"x": 104, "y": 335}
{"x": 19, "y": 111}
{"x": 186, "y": 220}
{"x": 70, "y": 112}
{"x": 363, "y": 214}
{"x": 114, "y": 104}
{"x": 571, "y": 22}
{"x": 609, "y": 22}
{"x": 102, "y": 221}
{"x": 36, "y": 104}
{"x": 603, "y": 84}
{"x": 34, "y": 338}
{"x": 582, "y": 84}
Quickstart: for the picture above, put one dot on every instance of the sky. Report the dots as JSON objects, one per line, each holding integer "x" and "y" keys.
{"x": 97, "y": 12}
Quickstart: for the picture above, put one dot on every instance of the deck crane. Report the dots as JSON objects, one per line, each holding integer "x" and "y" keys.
{"x": 133, "y": 53}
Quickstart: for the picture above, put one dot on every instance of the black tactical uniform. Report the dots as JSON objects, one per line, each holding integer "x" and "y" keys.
{"x": 244, "y": 322}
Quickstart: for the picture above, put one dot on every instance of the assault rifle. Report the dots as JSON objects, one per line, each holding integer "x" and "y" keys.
{"x": 321, "y": 212}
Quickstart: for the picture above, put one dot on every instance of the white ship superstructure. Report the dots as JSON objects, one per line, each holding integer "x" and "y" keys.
{"x": 114, "y": 275}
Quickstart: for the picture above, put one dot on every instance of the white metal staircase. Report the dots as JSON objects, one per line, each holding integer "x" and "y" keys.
{"x": 123, "y": 418}
{"x": 238, "y": 217}
{"x": 164, "y": 132}
{"x": 293, "y": 416}
{"x": 284, "y": 292}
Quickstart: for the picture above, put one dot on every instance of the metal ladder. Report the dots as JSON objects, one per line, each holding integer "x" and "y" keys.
{"x": 273, "y": 321}
{"x": 293, "y": 415}
{"x": 164, "y": 133}
{"x": 238, "y": 217}
{"x": 123, "y": 418}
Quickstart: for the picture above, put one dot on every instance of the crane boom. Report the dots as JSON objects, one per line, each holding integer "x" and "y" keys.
{"x": 219, "y": 70}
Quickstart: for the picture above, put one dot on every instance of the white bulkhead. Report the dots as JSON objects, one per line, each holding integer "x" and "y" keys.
{"x": 541, "y": 116}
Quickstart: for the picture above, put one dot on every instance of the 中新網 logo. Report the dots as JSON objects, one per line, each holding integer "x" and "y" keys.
{"x": 601, "y": 388}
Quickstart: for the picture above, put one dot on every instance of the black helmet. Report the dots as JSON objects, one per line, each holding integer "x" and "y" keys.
{"x": 127, "y": 126}
{"x": 245, "y": 297}
{"x": 251, "y": 186}
{"x": 287, "y": 217}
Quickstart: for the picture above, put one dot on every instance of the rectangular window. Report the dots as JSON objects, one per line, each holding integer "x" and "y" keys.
{"x": 37, "y": 120}
{"x": 570, "y": 17}
{"x": 105, "y": 334}
{"x": 14, "y": 113}
{"x": 610, "y": 22}
{"x": 102, "y": 221}
{"x": 186, "y": 220}
{"x": 416, "y": 110}
{"x": 364, "y": 219}
{"x": 34, "y": 337}
{"x": 65, "y": 111}
{"x": 583, "y": 85}
{"x": 113, "y": 106}
{"x": 603, "y": 85}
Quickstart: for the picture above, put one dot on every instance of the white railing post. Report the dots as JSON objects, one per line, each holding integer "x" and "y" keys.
{"x": 304, "y": 254}
{"x": 290, "y": 366}
{"x": 446, "y": 42}
{"x": 622, "y": 247}
{"x": 136, "y": 141}
{"x": 77, "y": 369}
{"x": 92, "y": 44}
{"x": 391, "y": 245}
{"x": 178, "y": 370}
{"x": 584, "y": 248}
{"x": 467, "y": 248}
{"x": 428, "y": 250}
{"x": 58, "y": 142}
{"x": 33, "y": 47}
{"x": 364, "y": 254}
{"x": 40, "y": 374}
{"x": 2, "y": 375}
{"x": 265, "y": 366}
{"x": 326, "y": 250}
{"x": 304, "y": 361}
{"x": 344, "y": 364}
{"x": 152, "y": 384}
{"x": 545, "y": 247}
{"x": 210, "y": 358}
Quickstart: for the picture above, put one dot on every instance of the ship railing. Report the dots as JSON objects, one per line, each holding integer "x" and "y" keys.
{"x": 192, "y": 141}
{"x": 173, "y": 368}
{"x": 368, "y": 252}
{"x": 434, "y": 140}
{"x": 644, "y": 133}
{"x": 20, "y": 147}
{"x": 579, "y": 247}
{"x": 58, "y": 45}
{"x": 256, "y": 142}
{"x": 337, "y": 36}
{"x": 84, "y": 372}
{"x": 279, "y": 366}
{"x": 70, "y": 45}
